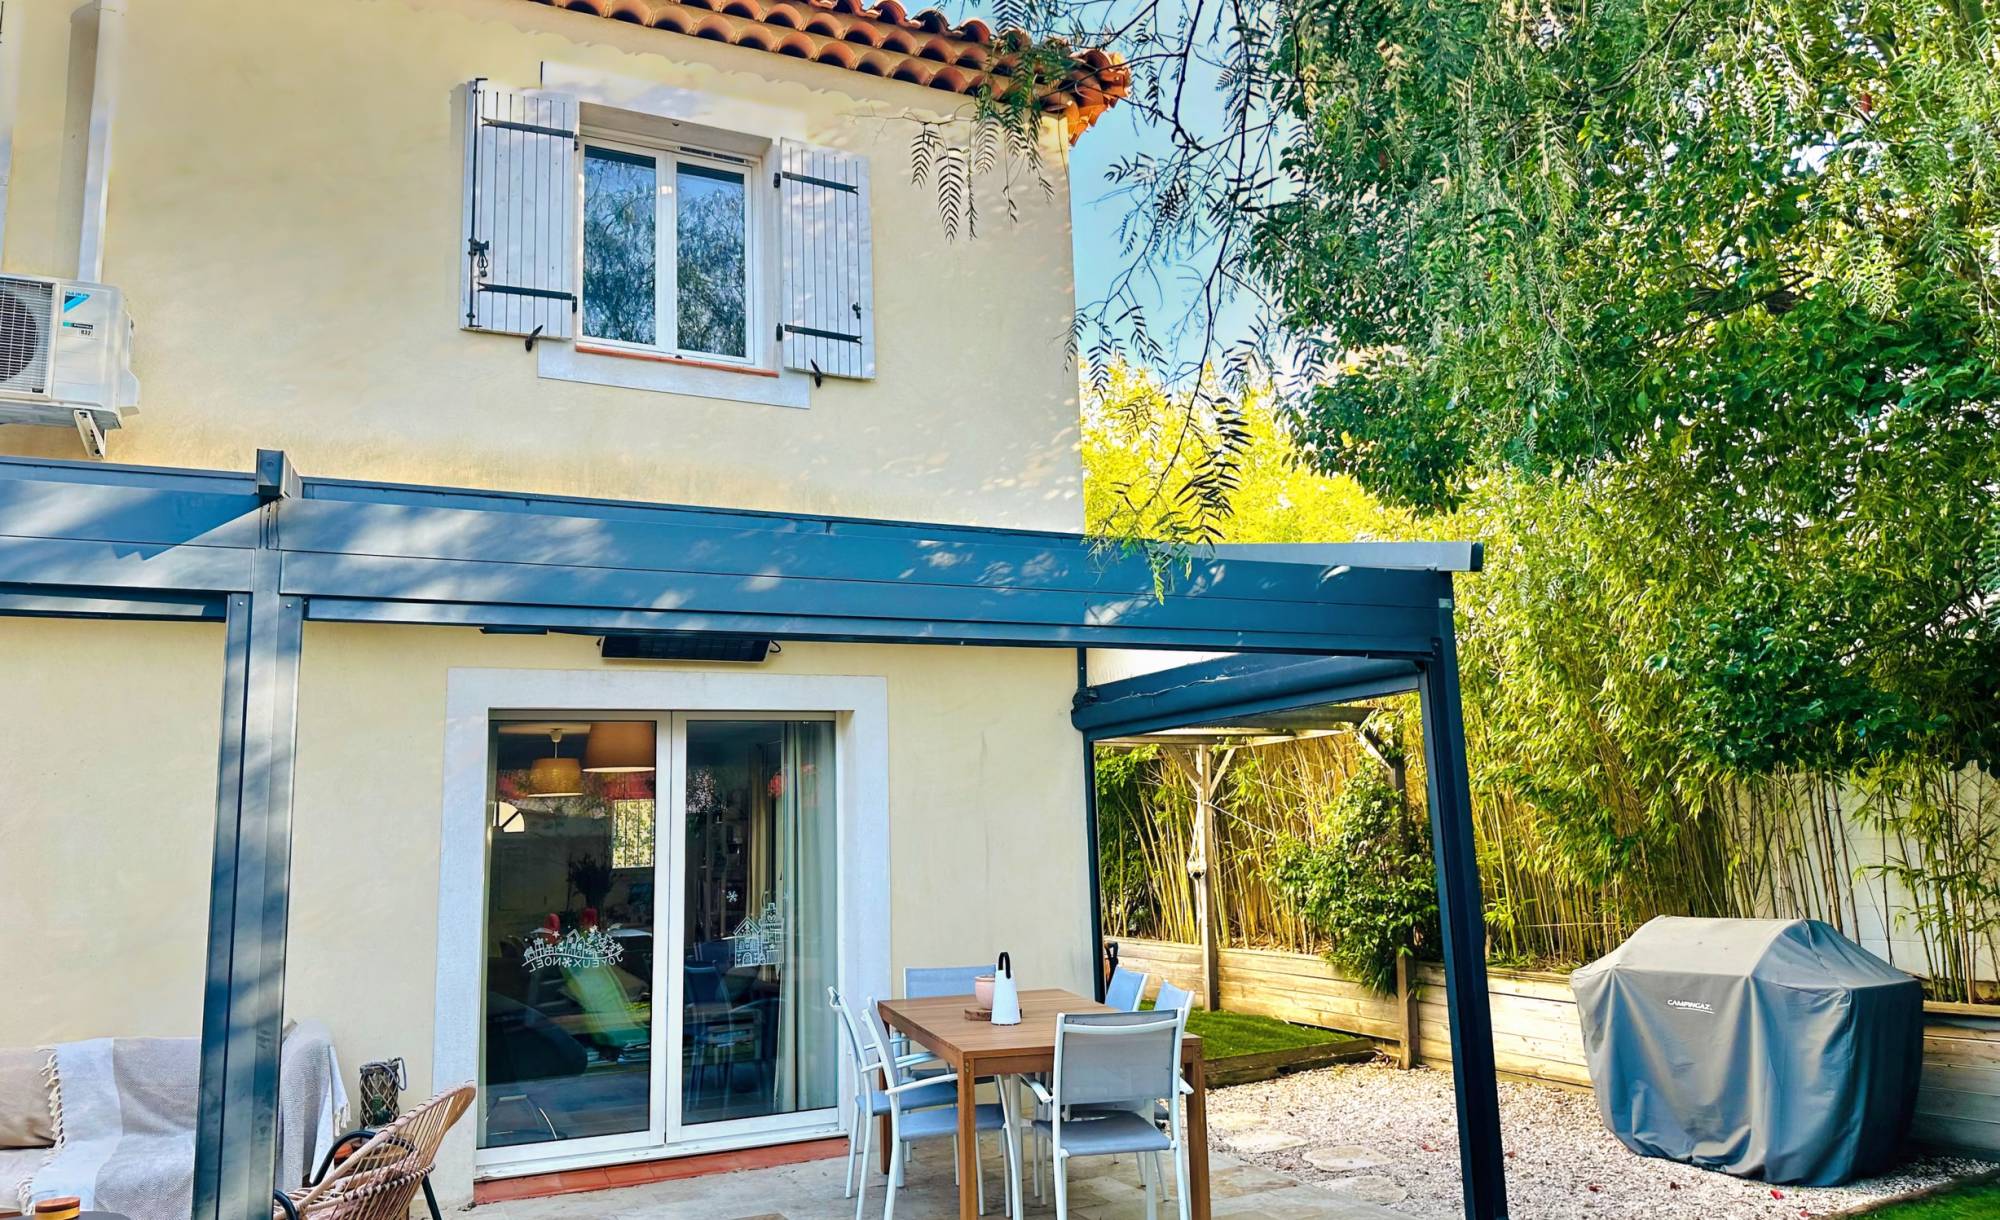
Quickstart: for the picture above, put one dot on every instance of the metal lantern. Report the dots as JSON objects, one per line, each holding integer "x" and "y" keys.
{"x": 382, "y": 1085}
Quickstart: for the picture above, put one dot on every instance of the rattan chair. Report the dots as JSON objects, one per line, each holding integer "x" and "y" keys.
{"x": 376, "y": 1194}
{"x": 381, "y": 1178}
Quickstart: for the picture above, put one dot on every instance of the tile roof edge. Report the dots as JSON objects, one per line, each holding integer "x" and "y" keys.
{"x": 885, "y": 40}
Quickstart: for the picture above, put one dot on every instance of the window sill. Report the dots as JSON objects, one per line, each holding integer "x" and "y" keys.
{"x": 689, "y": 362}
{"x": 667, "y": 374}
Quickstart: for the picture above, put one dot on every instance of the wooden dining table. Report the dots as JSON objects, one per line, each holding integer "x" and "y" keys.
{"x": 976, "y": 1048}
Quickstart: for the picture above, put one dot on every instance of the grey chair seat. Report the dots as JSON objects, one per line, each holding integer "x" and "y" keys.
{"x": 1159, "y": 1108}
{"x": 1106, "y": 1132}
{"x": 944, "y": 1093}
{"x": 928, "y": 1124}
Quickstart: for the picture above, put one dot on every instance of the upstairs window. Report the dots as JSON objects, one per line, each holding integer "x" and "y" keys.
{"x": 667, "y": 251}
{"x": 727, "y": 250}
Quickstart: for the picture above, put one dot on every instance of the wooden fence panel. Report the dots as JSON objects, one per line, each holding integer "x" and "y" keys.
{"x": 1536, "y": 1034}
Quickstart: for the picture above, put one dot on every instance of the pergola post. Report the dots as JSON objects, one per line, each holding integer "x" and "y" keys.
{"x": 1461, "y": 915}
{"x": 243, "y": 1001}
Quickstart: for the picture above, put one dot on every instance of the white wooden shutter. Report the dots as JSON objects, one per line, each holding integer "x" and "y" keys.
{"x": 518, "y": 262}
{"x": 827, "y": 315}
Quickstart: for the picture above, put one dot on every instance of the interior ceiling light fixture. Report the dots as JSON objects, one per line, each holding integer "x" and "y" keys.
{"x": 619, "y": 747}
{"x": 556, "y": 775}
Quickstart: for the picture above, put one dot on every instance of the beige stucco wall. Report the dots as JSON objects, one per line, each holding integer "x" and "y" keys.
{"x": 284, "y": 219}
{"x": 107, "y": 818}
{"x": 110, "y": 799}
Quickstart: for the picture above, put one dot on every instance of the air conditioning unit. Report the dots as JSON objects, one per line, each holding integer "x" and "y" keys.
{"x": 65, "y": 354}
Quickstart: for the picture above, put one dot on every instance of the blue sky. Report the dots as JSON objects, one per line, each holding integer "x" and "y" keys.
{"x": 1096, "y": 211}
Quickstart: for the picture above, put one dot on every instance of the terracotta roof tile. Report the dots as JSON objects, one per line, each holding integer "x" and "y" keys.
{"x": 885, "y": 40}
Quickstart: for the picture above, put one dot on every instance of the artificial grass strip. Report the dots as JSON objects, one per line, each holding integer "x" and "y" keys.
{"x": 1228, "y": 1034}
{"x": 1972, "y": 1203}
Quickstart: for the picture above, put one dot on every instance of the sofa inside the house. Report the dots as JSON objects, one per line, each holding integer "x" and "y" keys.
{"x": 112, "y": 1120}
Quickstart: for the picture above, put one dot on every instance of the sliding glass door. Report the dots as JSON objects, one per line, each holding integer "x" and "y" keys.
{"x": 661, "y": 929}
{"x": 757, "y": 919}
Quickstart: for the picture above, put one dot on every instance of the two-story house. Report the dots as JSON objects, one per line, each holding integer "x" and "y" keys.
{"x": 636, "y": 249}
{"x": 554, "y": 787}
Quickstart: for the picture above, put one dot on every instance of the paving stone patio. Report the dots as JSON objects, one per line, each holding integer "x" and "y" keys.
{"x": 1100, "y": 1189}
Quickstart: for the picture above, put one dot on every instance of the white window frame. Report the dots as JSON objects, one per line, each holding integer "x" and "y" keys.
{"x": 667, "y": 159}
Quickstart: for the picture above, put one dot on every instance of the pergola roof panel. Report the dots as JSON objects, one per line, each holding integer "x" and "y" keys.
{"x": 441, "y": 554}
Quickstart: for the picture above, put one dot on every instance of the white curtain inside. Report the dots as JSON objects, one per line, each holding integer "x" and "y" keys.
{"x": 806, "y": 1053}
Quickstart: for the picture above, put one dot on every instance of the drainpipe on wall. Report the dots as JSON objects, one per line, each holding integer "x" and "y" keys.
{"x": 97, "y": 169}
{"x": 10, "y": 89}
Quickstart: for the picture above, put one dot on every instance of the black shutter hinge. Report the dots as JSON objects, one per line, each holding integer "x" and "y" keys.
{"x": 785, "y": 328}
{"x": 813, "y": 180}
{"x": 536, "y": 129}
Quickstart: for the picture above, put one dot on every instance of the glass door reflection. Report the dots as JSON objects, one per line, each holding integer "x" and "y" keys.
{"x": 758, "y": 919}
{"x": 570, "y": 919}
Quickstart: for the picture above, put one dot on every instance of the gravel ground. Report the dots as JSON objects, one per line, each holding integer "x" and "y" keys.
{"x": 1561, "y": 1163}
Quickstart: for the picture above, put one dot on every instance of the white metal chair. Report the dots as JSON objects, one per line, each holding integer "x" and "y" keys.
{"x": 917, "y": 1109}
{"x": 1169, "y": 999}
{"x": 923, "y": 982}
{"x": 1123, "y": 993}
{"x": 1108, "y": 1060}
{"x": 869, "y": 1101}
{"x": 1125, "y": 990}
{"x": 1172, "y": 998}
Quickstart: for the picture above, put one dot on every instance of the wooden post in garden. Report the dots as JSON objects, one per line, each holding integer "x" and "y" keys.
{"x": 1203, "y": 868}
{"x": 1390, "y": 756}
{"x": 1406, "y": 1014}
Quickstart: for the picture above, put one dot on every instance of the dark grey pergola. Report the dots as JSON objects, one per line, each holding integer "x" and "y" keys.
{"x": 263, "y": 553}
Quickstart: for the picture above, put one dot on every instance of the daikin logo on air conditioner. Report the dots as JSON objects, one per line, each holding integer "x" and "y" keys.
{"x": 1691, "y": 1005}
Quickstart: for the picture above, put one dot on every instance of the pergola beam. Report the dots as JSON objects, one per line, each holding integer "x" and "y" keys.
{"x": 20, "y": 601}
{"x": 1421, "y": 556}
{"x": 823, "y": 627}
{"x": 1242, "y": 688}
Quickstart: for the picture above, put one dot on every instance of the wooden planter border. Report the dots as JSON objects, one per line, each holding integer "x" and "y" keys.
{"x": 1243, "y": 1069}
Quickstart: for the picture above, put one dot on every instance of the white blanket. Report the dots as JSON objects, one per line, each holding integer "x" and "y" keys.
{"x": 125, "y": 1126}
{"x": 125, "y": 1120}
{"x": 312, "y": 1102}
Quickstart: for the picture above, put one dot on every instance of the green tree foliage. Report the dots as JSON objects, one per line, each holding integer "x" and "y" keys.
{"x": 1149, "y": 453}
{"x": 1568, "y": 232}
{"x": 1365, "y": 880}
{"x": 1728, "y": 267}
{"x": 1126, "y": 855}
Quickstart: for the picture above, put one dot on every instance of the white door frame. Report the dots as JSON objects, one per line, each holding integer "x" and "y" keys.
{"x": 860, "y": 709}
